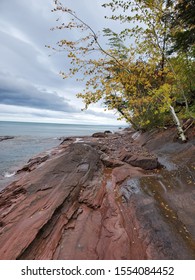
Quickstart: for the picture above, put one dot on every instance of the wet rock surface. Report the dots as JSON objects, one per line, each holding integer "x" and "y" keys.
{"x": 87, "y": 200}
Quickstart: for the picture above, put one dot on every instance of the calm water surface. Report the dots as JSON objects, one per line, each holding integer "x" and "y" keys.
{"x": 33, "y": 138}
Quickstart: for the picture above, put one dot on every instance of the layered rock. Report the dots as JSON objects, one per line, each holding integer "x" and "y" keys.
{"x": 87, "y": 201}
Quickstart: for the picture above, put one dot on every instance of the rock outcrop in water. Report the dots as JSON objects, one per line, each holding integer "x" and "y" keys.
{"x": 123, "y": 196}
{"x": 3, "y": 138}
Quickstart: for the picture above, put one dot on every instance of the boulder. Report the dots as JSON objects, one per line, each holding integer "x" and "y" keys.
{"x": 104, "y": 148}
{"x": 99, "y": 135}
{"x": 65, "y": 139}
{"x": 110, "y": 162}
{"x": 144, "y": 162}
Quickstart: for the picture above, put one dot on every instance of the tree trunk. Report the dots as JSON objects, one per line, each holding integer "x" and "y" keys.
{"x": 177, "y": 122}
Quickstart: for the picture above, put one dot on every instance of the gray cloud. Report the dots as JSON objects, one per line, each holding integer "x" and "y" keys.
{"x": 30, "y": 76}
{"x": 17, "y": 91}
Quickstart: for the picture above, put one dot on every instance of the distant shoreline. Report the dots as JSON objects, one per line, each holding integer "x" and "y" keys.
{"x": 69, "y": 124}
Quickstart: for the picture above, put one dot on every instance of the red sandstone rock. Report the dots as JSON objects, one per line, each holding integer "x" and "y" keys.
{"x": 145, "y": 162}
{"x": 33, "y": 163}
{"x": 99, "y": 135}
{"x": 110, "y": 162}
{"x": 73, "y": 207}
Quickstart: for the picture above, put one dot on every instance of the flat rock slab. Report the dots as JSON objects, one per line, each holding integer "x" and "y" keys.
{"x": 145, "y": 162}
{"x": 77, "y": 204}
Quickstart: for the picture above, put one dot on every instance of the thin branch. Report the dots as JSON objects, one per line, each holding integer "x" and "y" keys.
{"x": 94, "y": 36}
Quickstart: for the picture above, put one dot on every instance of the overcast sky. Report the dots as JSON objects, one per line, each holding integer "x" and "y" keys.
{"x": 31, "y": 88}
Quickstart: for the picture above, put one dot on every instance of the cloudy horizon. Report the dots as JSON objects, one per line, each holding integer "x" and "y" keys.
{"x": 31, "y": 88}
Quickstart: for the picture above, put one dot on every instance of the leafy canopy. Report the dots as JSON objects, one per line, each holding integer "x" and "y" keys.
{"x": 135, "y": 74}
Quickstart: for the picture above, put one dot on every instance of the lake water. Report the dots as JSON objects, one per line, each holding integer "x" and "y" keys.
{"x": 33, "y": 138}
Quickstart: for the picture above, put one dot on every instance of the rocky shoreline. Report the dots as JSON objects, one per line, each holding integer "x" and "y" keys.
{"x": 126, "y": 195}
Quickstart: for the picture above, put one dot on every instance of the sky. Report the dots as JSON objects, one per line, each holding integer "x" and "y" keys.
{"x": 31, "y": 88}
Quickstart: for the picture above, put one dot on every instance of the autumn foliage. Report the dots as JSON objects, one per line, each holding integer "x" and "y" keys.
{"x": 140, "y": 73}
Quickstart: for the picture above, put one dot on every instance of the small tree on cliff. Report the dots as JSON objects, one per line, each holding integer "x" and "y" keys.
{"x": 135, "y": 80}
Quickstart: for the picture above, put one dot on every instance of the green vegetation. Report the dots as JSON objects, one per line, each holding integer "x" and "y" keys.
{"x": 147, "y": 71}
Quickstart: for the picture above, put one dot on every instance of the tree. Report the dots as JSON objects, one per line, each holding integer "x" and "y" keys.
{"x": 184, "y": 19}
{"x": 137, "y": 80}
{"x": 183, "y": 47}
